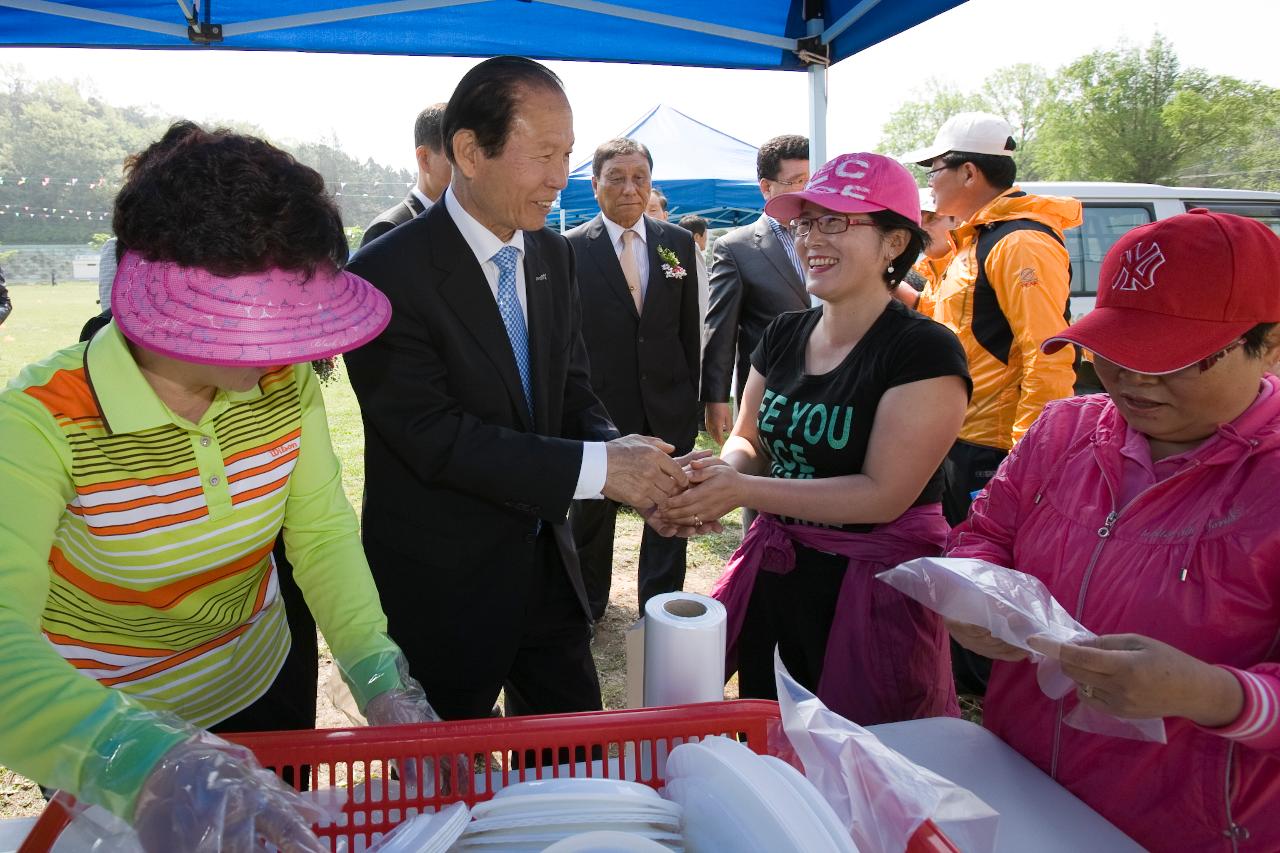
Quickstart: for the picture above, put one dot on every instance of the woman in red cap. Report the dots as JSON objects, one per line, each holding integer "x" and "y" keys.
{"x": 847, "y": 414}
{"x": 145, "y": 476}
{"x": 1151, "y": 515}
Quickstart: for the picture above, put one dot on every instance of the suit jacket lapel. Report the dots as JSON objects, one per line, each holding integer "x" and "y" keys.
{"x": 771, "y": 247}
{"x": 605, "y": 258}
{"x": 539, "y": 294}
{"x": 466, "y": 289}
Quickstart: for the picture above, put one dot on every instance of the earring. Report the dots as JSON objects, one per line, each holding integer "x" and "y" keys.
{"x": 890, "y": 269}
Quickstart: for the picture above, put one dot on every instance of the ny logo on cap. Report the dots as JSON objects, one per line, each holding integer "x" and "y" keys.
{"x": 1138, "y": 269}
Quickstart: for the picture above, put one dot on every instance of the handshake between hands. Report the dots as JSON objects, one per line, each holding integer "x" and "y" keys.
{"x": 677, "y": 496}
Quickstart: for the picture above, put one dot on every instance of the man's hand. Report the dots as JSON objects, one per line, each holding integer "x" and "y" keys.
{"x": 981, "y": 642}
{"x": 1130, "y": 675}
{"x": 641, "y": 472}
{"x": 719, "y": 418}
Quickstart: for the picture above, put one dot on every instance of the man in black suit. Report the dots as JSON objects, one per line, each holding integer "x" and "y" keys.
{"x": 643, "y": 332}
{"x": 434, "y": 173}
{"x": 755, "y": 276}
{"x": 480, "y": 423}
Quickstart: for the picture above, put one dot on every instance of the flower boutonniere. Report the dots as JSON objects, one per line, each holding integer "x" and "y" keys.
{"x": 671, "y": 264}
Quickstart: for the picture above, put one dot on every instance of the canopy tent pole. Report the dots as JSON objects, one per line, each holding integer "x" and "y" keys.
{"x": 817, "y": 75}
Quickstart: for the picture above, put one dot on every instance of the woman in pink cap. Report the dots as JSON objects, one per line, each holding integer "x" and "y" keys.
{"x": 145, "y": 476}
{"x": 847, "y": 414}
{"x": 1151, "y": 515}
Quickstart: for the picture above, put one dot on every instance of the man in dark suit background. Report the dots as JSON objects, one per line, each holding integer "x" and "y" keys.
{"x": 643, "y": 333}
{"x": 480, "y": 423}
{"x": 434, "y": 173}
{"x": 755, "y": 276}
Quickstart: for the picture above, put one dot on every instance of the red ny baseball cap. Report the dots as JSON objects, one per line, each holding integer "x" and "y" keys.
{"x": 1180, "y": 289}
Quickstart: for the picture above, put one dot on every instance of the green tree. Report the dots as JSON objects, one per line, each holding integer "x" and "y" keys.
{"x": 1231, "y": 131}
{"x": 1136, "y": 115}
{"x": 1023, "y": 95}
{"x": 1109, "y": 124}
{"x": 1020, "y": 94}
{"x": 915, "y": 123}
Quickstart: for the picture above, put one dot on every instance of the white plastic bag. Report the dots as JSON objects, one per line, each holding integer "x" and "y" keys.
{"x": 881, "y": 796}
{"x": 1014, "y": 607}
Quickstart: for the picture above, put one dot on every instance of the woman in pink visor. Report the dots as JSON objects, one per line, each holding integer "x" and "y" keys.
{"x": 847, "y": 414}
{"x": 1152, "y": 514}
{"x": 144, "y": 477}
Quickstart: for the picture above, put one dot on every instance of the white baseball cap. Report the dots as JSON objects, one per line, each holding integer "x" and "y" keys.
{"x": 927, "y": 204}
{"x": 972, "y": 133}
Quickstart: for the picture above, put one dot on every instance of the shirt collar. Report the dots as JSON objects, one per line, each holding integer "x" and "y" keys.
{"x": 421, "y": 197}
{"x": 128, "y": 402}
{"x": 615, "y": 230}
{"x": 483, "y": 242}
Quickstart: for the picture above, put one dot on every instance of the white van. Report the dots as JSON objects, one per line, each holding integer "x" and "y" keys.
{"x": 1112, "y": 209}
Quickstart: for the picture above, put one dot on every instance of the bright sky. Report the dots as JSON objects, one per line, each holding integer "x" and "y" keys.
{"x": 369, "y": 102}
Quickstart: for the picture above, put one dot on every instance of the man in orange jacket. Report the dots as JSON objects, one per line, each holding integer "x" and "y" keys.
{"x": 1004, "y": 293}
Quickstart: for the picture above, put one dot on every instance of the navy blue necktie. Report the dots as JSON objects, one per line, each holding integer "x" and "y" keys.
{"x": 512, "y": 317}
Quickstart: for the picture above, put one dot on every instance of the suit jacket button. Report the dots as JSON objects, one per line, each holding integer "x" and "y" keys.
{"x": 642, "y": 339}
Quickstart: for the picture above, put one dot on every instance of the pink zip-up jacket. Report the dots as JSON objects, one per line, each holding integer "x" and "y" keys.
{"x": 1193, "y": 561}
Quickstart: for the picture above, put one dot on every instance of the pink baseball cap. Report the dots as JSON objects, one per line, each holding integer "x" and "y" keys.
{"x": 261, "y": 319}
{"x": 854, "y": 183}
{"x": 1178, "y": 290}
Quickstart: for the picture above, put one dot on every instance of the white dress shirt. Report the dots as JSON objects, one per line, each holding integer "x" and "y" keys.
{"x": 421, "y": 197}
{"x": 484, "y": 245}
{"x": 639, "y": 247}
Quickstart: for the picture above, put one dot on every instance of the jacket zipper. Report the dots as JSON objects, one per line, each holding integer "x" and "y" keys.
{"x": 1104, "y": 532}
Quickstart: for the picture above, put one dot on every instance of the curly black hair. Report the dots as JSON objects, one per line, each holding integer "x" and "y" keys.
{"x": 227, "y": 203}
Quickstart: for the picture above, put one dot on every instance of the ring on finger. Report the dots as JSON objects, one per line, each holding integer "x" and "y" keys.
{"x": 697, "y": 522}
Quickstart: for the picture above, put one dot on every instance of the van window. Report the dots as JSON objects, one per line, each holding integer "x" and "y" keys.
{"x": 1268, "y": 212}
{"x": 1103, "y": 225}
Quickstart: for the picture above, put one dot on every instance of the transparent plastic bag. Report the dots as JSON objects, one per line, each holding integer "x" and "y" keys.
{"x": 881, "y": 796}
{"x": 1014, "y": 607}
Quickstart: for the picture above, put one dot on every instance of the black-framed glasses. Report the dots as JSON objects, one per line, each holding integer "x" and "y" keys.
{"x": 830, "y": 223}
{"x": 932, "y": 173}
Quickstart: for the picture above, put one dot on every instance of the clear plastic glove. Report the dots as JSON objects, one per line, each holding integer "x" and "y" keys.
{"x": 401, "y": 705}
{"x": 407, "y": 704}
{"x": 207, "y": 795}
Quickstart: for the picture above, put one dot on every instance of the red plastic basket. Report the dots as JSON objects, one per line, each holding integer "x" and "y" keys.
{"x": 630, "y": 744}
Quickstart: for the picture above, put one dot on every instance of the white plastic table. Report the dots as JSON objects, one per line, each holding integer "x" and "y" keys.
{"x": 1036, "y": 813}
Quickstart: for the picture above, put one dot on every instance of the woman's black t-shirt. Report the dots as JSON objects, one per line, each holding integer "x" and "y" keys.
{"x": 819, "y": 426}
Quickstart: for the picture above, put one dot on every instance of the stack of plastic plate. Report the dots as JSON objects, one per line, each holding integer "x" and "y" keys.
{"x": 737, "y": 800}
{"x": 532, "y": 816}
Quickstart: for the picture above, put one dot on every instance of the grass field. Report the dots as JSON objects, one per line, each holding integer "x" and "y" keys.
{"x": 46, "y": 318}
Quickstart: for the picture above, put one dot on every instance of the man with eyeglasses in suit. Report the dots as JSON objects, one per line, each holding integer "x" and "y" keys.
{"x": 755, "y": 276}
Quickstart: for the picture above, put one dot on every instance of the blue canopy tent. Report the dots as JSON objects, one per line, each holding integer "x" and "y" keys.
{"x": 700, "y": 169}
{"x": 761, "y": 34}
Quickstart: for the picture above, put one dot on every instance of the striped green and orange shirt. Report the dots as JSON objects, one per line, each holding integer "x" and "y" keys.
{"x": 135, "y": 554}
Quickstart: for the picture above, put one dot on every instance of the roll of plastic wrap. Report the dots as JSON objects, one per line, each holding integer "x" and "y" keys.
{"x": 684, "y": 639}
